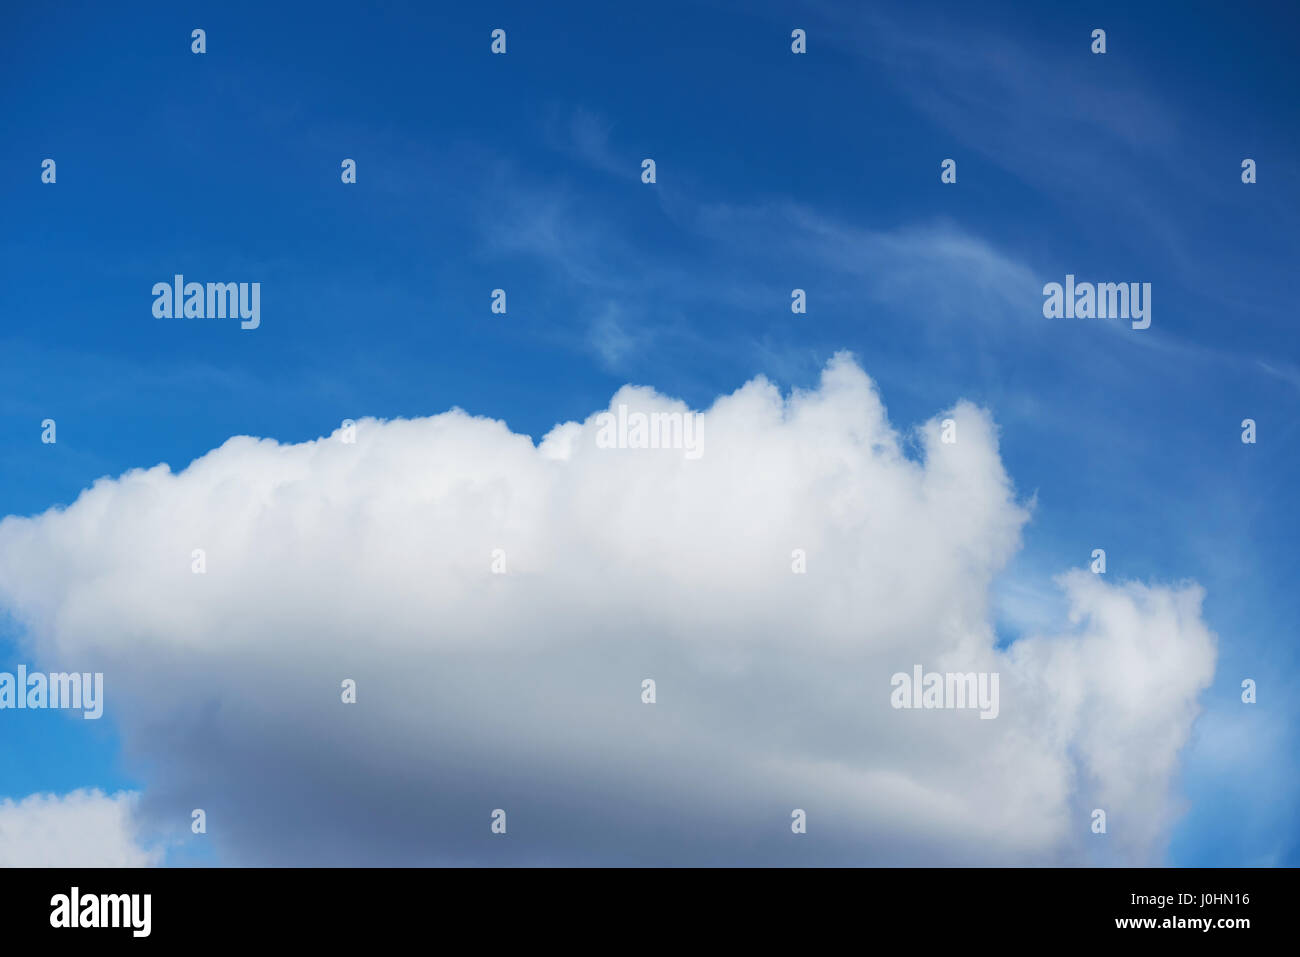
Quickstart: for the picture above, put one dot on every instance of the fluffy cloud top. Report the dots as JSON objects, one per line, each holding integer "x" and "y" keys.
{"x": 81, "y": 829}
{"x": 373, "y": 560}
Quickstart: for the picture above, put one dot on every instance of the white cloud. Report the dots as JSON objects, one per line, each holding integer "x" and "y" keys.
{"x": 372, "y": 561}
{"x": 85, "y": 828}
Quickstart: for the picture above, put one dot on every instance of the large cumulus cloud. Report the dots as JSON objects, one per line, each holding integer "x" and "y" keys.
{"x": 372, "y": 560}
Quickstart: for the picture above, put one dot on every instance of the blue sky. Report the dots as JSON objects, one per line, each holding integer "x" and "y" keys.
{"x": 775, "y": 171}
